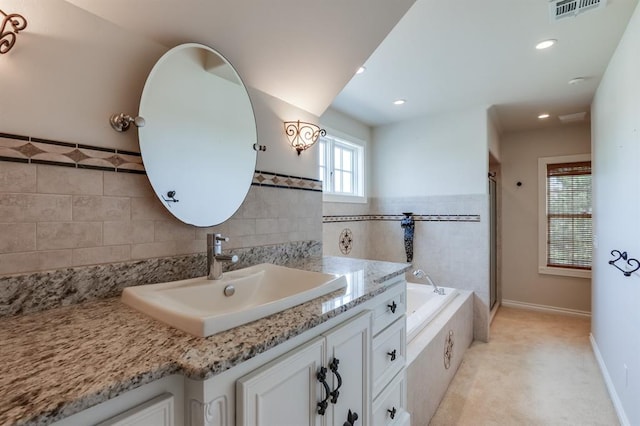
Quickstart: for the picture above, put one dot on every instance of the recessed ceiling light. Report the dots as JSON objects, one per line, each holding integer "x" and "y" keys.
{"x": 545, "y": 44}
{"x": 543, "y": 116}
{"x": 399, "y": 102}
{"x": 361, "y": 70}
{"x": 577, "y": 80}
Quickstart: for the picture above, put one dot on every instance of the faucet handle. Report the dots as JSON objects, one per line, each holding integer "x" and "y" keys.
{"x": 219, "y": 237}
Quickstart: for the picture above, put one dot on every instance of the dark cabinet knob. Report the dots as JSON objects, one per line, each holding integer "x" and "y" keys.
{"x": 393, "y": 307}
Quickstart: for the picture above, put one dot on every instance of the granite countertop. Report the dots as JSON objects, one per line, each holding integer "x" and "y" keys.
{"x": 59, "y": 362}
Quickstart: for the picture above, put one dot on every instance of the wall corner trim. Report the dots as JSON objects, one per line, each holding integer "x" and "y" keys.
{"x": 617, "y": 404}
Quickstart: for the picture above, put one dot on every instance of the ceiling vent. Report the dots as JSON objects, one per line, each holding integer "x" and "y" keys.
{"x": 559, "y": 9}
{"x": 572, "y": 118}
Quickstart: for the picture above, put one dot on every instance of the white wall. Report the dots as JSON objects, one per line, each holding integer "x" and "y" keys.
{"x": 65, "y": 76}
{"x": 616, "y": 153}
{"x": 437, "y": 165}
{"x": 344, "y": 126}
{"x": 347, "y": 127}
{"x": 435, "y": 155}
{"x": 70, "y": 70}
{"x": 521, "y": 281}
{"x": 280, "y": 157}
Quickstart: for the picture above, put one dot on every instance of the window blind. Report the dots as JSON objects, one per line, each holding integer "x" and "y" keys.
{"x": 569, "y": 226}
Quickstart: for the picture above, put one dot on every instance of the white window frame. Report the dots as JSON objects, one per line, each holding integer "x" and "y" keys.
{"x": 542, "y": 217}
{"x": 359, "y": 148}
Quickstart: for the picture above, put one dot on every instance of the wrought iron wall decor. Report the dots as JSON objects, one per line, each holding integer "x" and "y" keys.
{"x": 409, "y": 225}
{"x": 302, "y": 135}
{"x": 8, "y": 35}
{"x": 632, "y": 263}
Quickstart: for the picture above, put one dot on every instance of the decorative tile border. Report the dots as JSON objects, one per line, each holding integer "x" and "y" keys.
{"x": 26, "y": 149}
{"x": 40, "y": 291}
{"x": 262, "y": 178}
{"x": 399, "y": 217}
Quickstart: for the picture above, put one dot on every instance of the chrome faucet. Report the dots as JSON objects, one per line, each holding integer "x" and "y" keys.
{"x": 215, "y": 258}
{"x": 419, "y": 273}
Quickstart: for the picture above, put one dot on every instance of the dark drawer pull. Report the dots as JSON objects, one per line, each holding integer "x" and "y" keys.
{"x": 392, "y": 354}
{"x": 392, "y": 413}
{"x": 393, "y": 307}
{"x": 333, "y": 366}
{"x": 322, "y": 378}
{"x": 351, "y": 419}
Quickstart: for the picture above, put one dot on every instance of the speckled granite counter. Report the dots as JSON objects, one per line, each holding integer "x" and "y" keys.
{"x": 59, "y": 362}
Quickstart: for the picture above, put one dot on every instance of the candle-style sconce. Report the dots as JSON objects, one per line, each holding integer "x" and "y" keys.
{"x": 12, "y": 24}
{"x": 302, "y": 135}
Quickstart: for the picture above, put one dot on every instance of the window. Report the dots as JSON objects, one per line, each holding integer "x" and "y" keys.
{"x": 565, "y": 215}
{"x": 341, "y": 169}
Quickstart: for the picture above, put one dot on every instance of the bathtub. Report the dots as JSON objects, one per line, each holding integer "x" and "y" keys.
{"x": 439, "y": 330}
{"x": 423, "y": 305}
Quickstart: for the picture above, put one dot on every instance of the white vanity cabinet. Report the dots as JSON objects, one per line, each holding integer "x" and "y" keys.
{"x": 324, "y": 382}
{"x": 281, "y": 386}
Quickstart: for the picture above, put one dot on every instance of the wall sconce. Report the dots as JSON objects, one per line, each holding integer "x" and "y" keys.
{"x": 302, "y": 135}
{"x": 8, "y": 36}
{"x": 121, "y": 122}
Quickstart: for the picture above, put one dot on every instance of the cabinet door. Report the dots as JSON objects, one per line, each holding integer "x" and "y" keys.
{"x": 284, "y": 392}
{"x": 350, "y": 345}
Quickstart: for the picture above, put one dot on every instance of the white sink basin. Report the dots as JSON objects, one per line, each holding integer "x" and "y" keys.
{"x": 199, "y": 306}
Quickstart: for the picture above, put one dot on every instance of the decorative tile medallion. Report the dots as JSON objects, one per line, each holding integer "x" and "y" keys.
{"x": 448, "y": 349}
{"x": 345, "y": 241}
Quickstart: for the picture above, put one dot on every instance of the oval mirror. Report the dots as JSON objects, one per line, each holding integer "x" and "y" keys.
{"x": 197, "y": 141}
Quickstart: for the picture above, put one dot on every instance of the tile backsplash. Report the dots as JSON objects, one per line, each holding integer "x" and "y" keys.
{"x": 450, "y": 241}
{"x": 39, "y": 291}
{"x": 58, "y": 216}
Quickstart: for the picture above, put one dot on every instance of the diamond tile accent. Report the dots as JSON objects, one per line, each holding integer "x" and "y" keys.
{"x": 29, "y": 150}
{"x": 77, "y": 155}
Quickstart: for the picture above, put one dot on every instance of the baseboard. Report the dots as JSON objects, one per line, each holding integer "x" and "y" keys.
{"x": 617, "y": 404}
{"x": 545, "y": 308}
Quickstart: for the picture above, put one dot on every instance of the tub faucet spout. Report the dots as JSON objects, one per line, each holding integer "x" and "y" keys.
{"x": 419, "y": 273}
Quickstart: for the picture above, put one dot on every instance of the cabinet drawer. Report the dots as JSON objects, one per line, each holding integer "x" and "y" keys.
{"x": 156, "y": 412}
{"x": 389, "y": 408}
{"x": 389, "y": 354}
{"x": 393, "y": 307}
